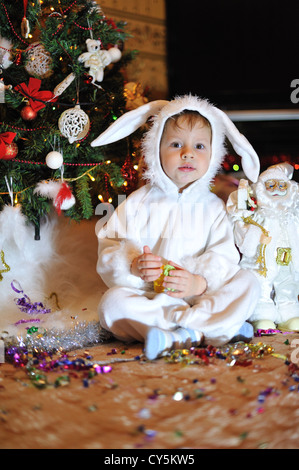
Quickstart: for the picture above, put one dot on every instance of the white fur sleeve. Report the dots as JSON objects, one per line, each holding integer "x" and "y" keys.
{"x": 116, "y": 251}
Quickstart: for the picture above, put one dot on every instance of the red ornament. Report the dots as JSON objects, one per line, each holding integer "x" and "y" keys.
{"x": 87, "y": 78}
{"x": 37, "y": 99}
{"x": 6, "y": 140}
{"x": 10, "y": 152}
{"x": 18, "y": 58}
{"x": 130, "y": 175}
{"x": 28, "y": 114}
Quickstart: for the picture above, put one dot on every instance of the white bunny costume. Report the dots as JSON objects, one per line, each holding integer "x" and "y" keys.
{"x": 191, "y": 228}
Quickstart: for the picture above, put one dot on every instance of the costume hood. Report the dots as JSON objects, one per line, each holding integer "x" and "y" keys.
{"x": 162, "y": 110}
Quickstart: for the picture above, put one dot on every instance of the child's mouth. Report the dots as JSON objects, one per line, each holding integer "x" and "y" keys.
{"x": 186, "y": 168}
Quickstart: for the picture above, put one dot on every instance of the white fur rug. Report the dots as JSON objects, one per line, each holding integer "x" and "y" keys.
{"x": 59, "y": 271}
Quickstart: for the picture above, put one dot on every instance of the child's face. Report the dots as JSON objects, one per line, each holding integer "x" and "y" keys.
{"x": 185, "y": 151}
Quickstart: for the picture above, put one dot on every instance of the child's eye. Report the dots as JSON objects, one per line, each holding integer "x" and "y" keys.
{"x": 176, "y": 145}
{"x": 199, "y": 146}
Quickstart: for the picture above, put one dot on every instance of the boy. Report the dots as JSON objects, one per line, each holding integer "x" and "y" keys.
{"x": 176, "y": 220}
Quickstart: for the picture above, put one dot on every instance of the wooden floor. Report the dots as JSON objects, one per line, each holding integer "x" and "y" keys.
{"x": 115, "y": 399}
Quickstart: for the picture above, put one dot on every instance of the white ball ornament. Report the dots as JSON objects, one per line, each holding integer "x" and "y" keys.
{"x": 74, "y": 124}
{"x": 39, "y": 61}
{"x": 115, "y": 54}
{"x": 54, "y": 160}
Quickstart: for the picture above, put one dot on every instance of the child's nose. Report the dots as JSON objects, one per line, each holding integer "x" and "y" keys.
{"x": 186, "y": 153}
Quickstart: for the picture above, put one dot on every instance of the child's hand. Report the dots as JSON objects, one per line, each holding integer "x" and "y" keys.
{"x": 185, "y": 283}
{"x": 147, "y": 266}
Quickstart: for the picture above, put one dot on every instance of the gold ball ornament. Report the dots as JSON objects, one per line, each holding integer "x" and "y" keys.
{"x": 74, "y": 124}
{"x": 39, "y": 61}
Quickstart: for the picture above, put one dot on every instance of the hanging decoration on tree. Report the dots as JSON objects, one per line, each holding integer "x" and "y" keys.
{"x": 37, "y": 99}
{"x": 130, "y": 175}
{"x": 5, "y": 53}
{"x": 25, "y": 29}
{"x": 54, "y": 160}
{"x": 59, "y": 192}
{"x": 8, "y": 148}
{"x": 96, "y": 59}
{"x": 28, "y": 113}
{"x": 134, "y": 94}
{"x": 74, "y": 124}
{"x": 62, "y": 86}
{"x": 38, "y": 61}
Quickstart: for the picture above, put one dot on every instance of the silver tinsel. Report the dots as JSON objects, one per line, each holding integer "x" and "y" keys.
{"x": 52, "y": 340}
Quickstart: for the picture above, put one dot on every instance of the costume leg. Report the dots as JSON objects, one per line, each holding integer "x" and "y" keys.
{"x": 220, "y": 314}
{"x": 129, "y": 313}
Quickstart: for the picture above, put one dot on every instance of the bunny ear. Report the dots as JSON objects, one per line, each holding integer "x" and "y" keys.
{"x": 128, "y": 123}
{"x": 250, "y": 159}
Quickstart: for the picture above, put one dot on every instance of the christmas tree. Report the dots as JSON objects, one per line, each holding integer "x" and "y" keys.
{"x": 62, "y": 83}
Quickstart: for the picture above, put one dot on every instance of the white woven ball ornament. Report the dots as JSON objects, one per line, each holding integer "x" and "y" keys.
{"x": 74, "y": 124}
{"x": 54, "y": 160}
{"x": 39, "y": 61}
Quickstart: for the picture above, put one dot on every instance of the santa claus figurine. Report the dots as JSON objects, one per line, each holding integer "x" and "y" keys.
{"x": 266, "y": 227}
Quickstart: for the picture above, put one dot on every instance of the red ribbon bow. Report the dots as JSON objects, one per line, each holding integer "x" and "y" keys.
{"x": 37, "y": 99}
{"x": 5, "y": 139}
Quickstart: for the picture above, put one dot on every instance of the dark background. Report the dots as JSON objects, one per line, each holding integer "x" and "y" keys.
{"x": 240, "y": 54}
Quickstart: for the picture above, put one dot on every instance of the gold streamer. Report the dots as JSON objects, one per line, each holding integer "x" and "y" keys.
{"x": 7, "y": 268}
{"x": 261, "y": 259}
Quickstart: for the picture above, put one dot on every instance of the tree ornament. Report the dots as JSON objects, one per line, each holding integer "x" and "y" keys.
{"x": 5, "y": 53}
{"x": 74, "y": 124}
{"x": 59, "y": 192}
{"x": 11, "y": 151}
{"x": 25, "y": 28}
{"x": 54, "y": 160}
{"x": 134, "y": 95}
{"x": 39, "y": 61}
{"x": 7, "y": 151}
{"x": 62, "y": 86}
{"x": 96, "y": 59}
{"x": 37, "y": 99}
{"x": 28, "y": 114}
{"x": 130, "y": 175}
{"x": 18, "y": 59}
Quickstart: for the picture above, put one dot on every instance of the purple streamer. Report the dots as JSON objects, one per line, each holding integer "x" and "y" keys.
{"x": 34, "y": 320}
{"x": 25, "y": 304}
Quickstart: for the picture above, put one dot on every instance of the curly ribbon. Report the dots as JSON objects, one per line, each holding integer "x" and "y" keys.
{"x": 37, "y": 99}
{"x": 24, "y": 303}
{"x": 6, "y": 138}
{"x": 34, "y": 320}
{"x": 7, "y": 268}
